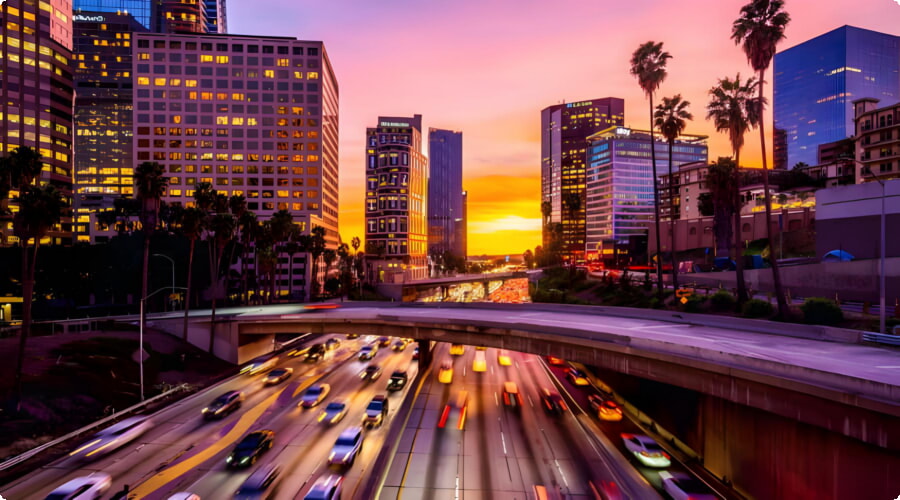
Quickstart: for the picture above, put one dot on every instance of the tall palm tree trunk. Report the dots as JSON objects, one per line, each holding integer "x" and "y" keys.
{"x": 738, "y": 240}
{"x": 187, "y": 292}
{"x": 776, "y": 274}
{"x": 145, "y": 282}
{"x": 214, "y": 288}
{"x": 290, "y": 275}
{"x": 672, "y": 220}
{"x": 27, "y": 298}
{"x": 659, "y": 277}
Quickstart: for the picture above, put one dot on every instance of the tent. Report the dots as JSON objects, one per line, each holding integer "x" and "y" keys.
{"x": 837, "y": 256}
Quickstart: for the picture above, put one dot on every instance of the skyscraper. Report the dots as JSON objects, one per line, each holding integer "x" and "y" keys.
{"x": 36, "y": 93}
{"x": 215, "y": 16}
{"x": 254, "y": 116}
{"x": 619, "y": 202}
{"x": 396, "y": 200}
{"x": 564, "y": 132}
{"x": 141, "y": 10}
{"x": 445, "y": 193}
{"x": 103, "y": 114}
{"x": 816, "y": 81}
{"x": 180, "y": 16}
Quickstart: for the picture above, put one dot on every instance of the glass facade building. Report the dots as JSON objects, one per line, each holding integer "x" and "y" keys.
{"x": 619, "y": 201}
{"x": 215, "y": 16}
{"x": 445, "y": 193}
{"x": 564, "y": 132}
{"x": 141, "y": 10}
{"x": 816, "y": 81}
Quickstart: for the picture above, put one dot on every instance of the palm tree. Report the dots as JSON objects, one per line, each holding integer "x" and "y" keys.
{"x": 249, "y": 225}
{"x": 266, "y": 259}
{"x": 721, "y": 179}
{"x": 670, "y": 119}
{"x": 733, "y": 109}
{"x": 192, "y": 224}
{"x": 648, "y": 65}
{"x": 282, "y": 224}
{"x": 315, "y": 248}
{"x": 220, "y": 232}
{"x": 758, "y": 30}
{"x": 39, "y": 209}
{"x": 150, "y": 186}
{"x": 17, "y": 170}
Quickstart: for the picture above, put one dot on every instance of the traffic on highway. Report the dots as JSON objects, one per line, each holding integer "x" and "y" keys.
{"x": 310, "y": 422}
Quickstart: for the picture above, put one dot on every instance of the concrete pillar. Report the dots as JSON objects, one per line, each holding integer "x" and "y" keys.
{"x": 425, "y": 354}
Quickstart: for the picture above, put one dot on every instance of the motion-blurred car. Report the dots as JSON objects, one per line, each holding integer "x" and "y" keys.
{"x": 681, "y": 486}
{"x": 376, "y": 411}
{"x": 332, "y": 343}
{"x": 314, "y": 395}
{"x": 298, "y": 351}
{"x": 445, "y": 373}
{"x": 223, "y": 405}
{"x": 383, "y": 341}
{"x": 327, "y": 487}
{"x": 610, "y": 411}
{"x": 553, "y": 360}
{"x": 577, "y": 377}
{"x": 503, "y": 358}
{"x": 479, "y": 364}
{"x": 184, "y": 495}
{"x": 262, "y": 484}
{"x": 370, "y": 373}
{"x": 398, "y": 345}
{"x": 454, "y": 412}
{"x": 457, "y": 349}
{"x": 352, "y": 336}
{"x": 480, "y": 348}
{"x": 646, "y": 450}
{"x": 511, "y": 397}
{"x": 553, "y": 402}
{"x": 317, "y": 352}
{"x": 346, "y": 447}
{"x": 416, "y": 354}
{"x": 113, "y": 437}
{"x": 91, "y": 486}
{"x": 260, "y": 365}
{"x": 368, "y": 351}
{"x": 397, "y": 381}
{"x": 248, "y": 451}
{"x": 277, "y": 376}
{"x": 334, "y": 412}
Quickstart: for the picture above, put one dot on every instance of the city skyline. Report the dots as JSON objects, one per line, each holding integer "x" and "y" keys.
{"x": 516, "y": 75}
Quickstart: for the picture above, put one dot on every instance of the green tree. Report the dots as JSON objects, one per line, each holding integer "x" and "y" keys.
{"x": 40, "y": 208}
{"x": 18, "y": 169}
{"x": 758, "y": 31}
{"x": 316, "y": 248}
{"x": 733, "y": 109}
{"x": 648, "y": 65}
{"x": 249, "y": 225}
{"x": 528, "y": 258}
{"x": 671, "y": 118}
{"x": 721, "y": 179}
{"x": 150, "y": 186}
{"x": 282, "y": 226}
{"x": 191, "y": 227}
{"x": 220, "y": 232}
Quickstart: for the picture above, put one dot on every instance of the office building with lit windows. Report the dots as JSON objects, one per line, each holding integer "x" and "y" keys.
{"x": 255, "y": 116}
{"x": 140, "y": 10}
{"x": 103, "y": 116}
{"x": 215, "y": 16}
{"x": 816, "y": 82}
{"x": 619, "y": 200}
{"x": 396, "y": 200}
{"x": 445, "y": 193}
{"x": 564, "y": 132}
{"x": 36, "y": 95}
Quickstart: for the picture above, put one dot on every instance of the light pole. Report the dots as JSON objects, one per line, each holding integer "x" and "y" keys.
{"x": 881, "y": 305}
{"x": 173, "y": 269}
{"x": 141, "y": 336}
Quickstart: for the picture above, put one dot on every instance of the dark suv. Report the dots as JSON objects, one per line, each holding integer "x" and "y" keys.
{"x": 376, "y": 411}
{"x": 223, "y": 405}
{"x": 250, "y": 448}
{"x": 398, "y": 381}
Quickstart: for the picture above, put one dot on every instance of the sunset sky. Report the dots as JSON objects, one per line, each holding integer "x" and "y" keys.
{"x": 487, "y": 68}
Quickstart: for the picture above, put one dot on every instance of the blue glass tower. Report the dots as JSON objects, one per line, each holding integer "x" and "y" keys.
{"x": 446, "y": 220}
{"x": 215, "y": 16}
{"x": 816, "y": 81}
{"x": 141, "y": 10}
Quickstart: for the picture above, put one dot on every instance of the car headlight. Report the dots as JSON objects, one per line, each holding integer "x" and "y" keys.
{"x": 331, "y": 457}
{"x": 335, "y": 418}
{"x": 228, "y": 459}
{"x": 205, "y": 410}
{"x": 245, "y": 460}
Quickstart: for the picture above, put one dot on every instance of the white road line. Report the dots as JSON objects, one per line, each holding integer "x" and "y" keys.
{"x": 503, "y": 440}
{"x": 456, "y": 492}
{"x": 530, "y": 401}
{"x": 496, "y": 399}
{"x": 561, "y": 473}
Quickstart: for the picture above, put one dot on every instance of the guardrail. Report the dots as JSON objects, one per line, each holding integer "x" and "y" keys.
{"x": 882, "y": 338}
{"x": 382, "y": 464}
{"x": 18, "y": 459}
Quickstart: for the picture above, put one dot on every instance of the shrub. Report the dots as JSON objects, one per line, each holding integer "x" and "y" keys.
{"x": 722, "y": 301}
{"x": 694, "y": 304}
{"x": 821, "y": 311}
{"x": 755, "y": 308}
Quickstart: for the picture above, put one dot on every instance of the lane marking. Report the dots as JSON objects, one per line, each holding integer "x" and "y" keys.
{"x": 503, "y": 440}
{"x": 496, "y": 399}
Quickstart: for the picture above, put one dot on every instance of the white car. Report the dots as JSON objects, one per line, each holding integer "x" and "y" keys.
{"x": 646, "y": 451}
{"x": 184, "y": 495}
{"x": 326, "y": 488}
{"x": 346, "y": 447}
{"x": 113, "y": 437}
{"x": 681, "y": 486}
{"x": 86, "y": 487}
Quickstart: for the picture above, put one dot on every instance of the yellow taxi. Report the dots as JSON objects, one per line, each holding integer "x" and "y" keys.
{"x": 445, "y": 374}
{"x": 457, "y": 349}
{"x": 479, "y": 364}
{"x": 503, "y": 358}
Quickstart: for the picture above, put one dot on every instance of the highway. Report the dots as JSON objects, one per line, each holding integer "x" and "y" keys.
{"x": 504, "y": 453}
{"x": 183, "y": 452}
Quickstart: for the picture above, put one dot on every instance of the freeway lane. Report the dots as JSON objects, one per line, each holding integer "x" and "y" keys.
{"x": 184, "y": 452}
{"x": 502, "y": 453}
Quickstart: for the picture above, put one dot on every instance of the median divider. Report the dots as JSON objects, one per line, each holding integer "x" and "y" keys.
{"x": 381, "y": 466}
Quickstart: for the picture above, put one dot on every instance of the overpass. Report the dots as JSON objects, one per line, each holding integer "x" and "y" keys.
{"x": 773, "y": 412}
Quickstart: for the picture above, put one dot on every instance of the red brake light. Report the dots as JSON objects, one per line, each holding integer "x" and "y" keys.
{"x": 444, "y": 416}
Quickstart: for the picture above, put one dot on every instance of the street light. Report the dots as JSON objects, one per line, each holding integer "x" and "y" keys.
{"x": 173, "y": 269}
{"x": 881, "y": 305}
{"x": 141, "y": 336}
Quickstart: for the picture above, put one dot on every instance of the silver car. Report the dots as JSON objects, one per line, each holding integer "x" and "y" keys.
{"x": 346, "y": 447}
{"x": 113, "y": 437}
{"x": 84, "y": 487}
{"x": 261, "y": 484}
